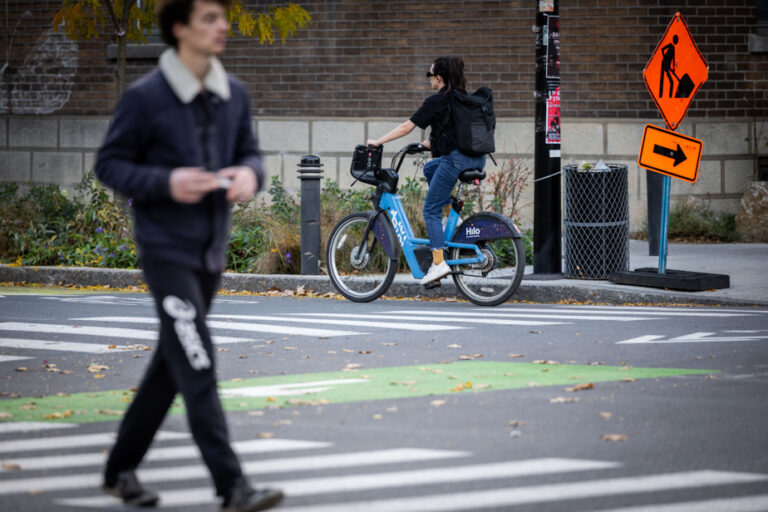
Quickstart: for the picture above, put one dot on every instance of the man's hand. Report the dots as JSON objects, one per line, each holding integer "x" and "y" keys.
{"x": 244, "y": 182}
{"x": 191, "y": 184}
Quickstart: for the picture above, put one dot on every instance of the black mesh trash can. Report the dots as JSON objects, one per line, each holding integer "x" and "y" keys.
{"x": 596, "y": 221}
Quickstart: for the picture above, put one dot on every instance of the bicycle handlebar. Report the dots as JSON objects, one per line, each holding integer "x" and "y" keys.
{"x": 409, "y": 149}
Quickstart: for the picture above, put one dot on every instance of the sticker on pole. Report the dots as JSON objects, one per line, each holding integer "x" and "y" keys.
{"x": 670, "y": 153}
{"x": 675, "y": 72}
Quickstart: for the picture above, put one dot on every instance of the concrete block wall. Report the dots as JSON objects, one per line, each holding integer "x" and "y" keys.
{"x": 60, "y": 149}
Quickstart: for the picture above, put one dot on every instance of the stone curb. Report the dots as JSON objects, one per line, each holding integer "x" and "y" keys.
{"x": 539, "y": 291}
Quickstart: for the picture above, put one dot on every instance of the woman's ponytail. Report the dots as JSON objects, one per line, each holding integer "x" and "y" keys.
{"x": 451, "y": 69}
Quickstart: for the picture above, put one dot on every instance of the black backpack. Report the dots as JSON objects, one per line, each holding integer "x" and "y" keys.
{"x": 474, "y": 121}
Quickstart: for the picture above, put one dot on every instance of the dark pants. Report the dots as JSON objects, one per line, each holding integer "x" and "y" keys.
{"x": 183, "y": 362}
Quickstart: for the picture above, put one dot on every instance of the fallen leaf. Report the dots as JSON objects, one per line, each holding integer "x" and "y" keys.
{"x": 515, "y": 423}
{"x": 242, "y": 357}
{"x": 99, "y": 376}
{"x": 236, "y": 379}
{"x": 628, "y": 379}
{"x": 66, "y": 372}
{"x": 28, "y": 407}
{"x": 543, "y": 361}
{"x": 363, "y": 351}
{"x": 111, "y": 346}
{"x": 9, "y": 466}
{"x": 470, "y": 357}
{"x": 606, "y": 415}
{"x": 282, "y": 423}
{"x": 347, "y": 350}
{"x": 516, "y": 355}
{"x": 614, "y": 437}
{"x": 581, "y": 387}
{"x": 290, "y": 348}
{"x": 96, "y": 368}
{"x": 265, "y": 435}
{"x": 110, "y": 412}
{"x": 454, "y": 345}
{"x": 58, "y": 415}
{"x": 535, "y": 332}
{"x": 437, "y": 403}
{"x": 376, "y": 416}
{"x": 5, "y": 415}
{"x": 563, "y": 400}
{"x": 389, "y": 344}
{"x": 255, "y": 413}
{"x": 271, "y": 399}
{"x": 21, "y": 369}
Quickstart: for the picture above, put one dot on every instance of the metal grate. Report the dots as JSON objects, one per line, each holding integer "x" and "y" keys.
{"x": 596, "y": 222}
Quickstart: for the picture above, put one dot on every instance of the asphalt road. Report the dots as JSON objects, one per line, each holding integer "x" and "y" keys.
{"x": 403, "y": 405}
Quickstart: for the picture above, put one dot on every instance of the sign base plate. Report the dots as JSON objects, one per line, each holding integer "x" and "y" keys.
{"x": 682, "y": 280}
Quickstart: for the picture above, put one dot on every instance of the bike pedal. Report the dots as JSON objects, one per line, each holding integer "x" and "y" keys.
{"x": 433, "y": 284}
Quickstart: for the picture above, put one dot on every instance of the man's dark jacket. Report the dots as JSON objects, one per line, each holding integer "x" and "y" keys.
{"x": 152, "y": 133}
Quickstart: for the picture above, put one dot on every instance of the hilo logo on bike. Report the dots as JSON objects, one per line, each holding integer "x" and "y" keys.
{"x": 472, "y": 232}
{"x": 399, "y": 227}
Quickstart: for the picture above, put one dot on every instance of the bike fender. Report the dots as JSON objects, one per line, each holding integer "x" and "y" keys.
{"x": 485, "y": 226}
{"x": 385, "y": 234}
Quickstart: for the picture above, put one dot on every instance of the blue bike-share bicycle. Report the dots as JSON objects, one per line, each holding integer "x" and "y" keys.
{"x": 485, "y": 252}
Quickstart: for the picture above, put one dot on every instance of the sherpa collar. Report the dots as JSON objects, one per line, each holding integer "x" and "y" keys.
{"x": 185, "y": 84}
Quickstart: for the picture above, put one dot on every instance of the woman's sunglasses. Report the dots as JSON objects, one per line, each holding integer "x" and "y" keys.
{"x": 430, "y": 74}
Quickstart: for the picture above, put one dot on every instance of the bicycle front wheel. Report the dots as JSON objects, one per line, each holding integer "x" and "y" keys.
{"x": 492, "y": 282}
{"x": 359, "y": 268}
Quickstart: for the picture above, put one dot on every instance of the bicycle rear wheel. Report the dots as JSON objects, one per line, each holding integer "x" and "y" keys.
{"x": 492, "y": 282}
{"x": 360, "y": 269}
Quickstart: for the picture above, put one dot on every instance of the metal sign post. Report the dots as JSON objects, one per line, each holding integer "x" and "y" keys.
{"x": 547, "y": 244}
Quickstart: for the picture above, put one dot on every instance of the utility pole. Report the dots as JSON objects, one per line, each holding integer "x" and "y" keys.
{"x": 547, "y": 244}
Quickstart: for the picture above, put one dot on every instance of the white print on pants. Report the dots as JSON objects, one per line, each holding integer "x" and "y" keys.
{"x": 184, "y": 313}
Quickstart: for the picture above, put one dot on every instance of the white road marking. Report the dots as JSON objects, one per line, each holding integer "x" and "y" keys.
{"x": 361, "y": 323}
{"x": 471, "y": 500}
{"x": 73, "y": 441}
{"x": 696, "y": 337}
{"x": 757, "y": 503}
{"x": 64, "y": 346}
{"x": 32, "y": 426}
{"x": 427, "y": 318}
{"x": 261, "y": 467}
{"x": 157, "y": 454}
{"x": 6, "y": 359}
{"x": 235, "y": 326}
{"x": 611, "y": 310}
{"x": 110, "y": 332}
{"x": 552, "y": 316}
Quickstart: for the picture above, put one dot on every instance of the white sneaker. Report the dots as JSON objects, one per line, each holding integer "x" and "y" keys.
{"x": 436, "y": 272}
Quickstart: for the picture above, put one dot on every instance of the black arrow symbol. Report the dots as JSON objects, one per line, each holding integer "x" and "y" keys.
{"x": 677, "y": 154}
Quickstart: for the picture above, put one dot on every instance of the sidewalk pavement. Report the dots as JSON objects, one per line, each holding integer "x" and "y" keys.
{"x": 746, "y": 264}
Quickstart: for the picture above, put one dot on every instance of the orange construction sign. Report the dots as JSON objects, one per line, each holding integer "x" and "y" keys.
{"x": 670, "y": 153}
{"x": 675, "y": 72}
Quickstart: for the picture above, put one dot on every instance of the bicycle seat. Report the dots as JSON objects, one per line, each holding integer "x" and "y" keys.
{"x": 470, "y": 175}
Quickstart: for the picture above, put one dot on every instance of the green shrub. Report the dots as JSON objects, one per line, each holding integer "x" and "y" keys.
{"x": 697, "y": 223}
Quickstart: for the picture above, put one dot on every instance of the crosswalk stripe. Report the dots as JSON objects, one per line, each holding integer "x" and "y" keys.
{"x": 427, "y": 318}
{"x": 410, "y": 478}
{"x": 361, "y": 323}
{"x": 63, "y": 346}
{"x": 32, "y": 426}
{"x": 454, "y": 501}
{"x": 603, "y": 310}
{"x": 74, "y": 441}
{"x": 262, "y": 467}
{"x": 8, "y": 359}
{"x": 551, "y": 316}
{"x": 664, "y": 309}
{"x": 757, "y": 503}
{"x": 158, "y": 454}
{"x": 85, "y": 330}
{"x": 235, "y": 326}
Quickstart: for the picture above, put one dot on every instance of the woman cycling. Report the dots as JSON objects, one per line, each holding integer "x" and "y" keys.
{"x": 445, "y": 76}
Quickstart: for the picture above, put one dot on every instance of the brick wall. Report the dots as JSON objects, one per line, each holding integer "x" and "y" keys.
{"x": 365, "y": 58}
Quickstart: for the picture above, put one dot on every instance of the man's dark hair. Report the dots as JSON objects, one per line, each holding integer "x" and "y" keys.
{"x": 452, "y": 71}
{"x": 170, "y": 12}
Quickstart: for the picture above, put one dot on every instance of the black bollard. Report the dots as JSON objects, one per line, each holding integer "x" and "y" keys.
{"x": 310, "y": 174}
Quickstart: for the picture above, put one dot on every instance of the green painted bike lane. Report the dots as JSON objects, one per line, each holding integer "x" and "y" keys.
{"x": 358, "y": 385}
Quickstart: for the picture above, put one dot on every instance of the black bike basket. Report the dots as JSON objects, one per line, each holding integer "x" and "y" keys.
{"x": 366, "y": 164}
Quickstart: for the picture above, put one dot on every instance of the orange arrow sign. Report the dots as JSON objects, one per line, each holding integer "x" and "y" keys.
{"x": 670, "y": 153}
{"x": 675, "y": 72}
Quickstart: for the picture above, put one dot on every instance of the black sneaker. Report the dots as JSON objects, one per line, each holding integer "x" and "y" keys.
{"x": 244, "y": 498}
{"x": 128, "y": 488}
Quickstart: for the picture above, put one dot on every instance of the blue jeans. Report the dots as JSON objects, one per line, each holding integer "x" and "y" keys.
{"x": 442, "y": 173}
